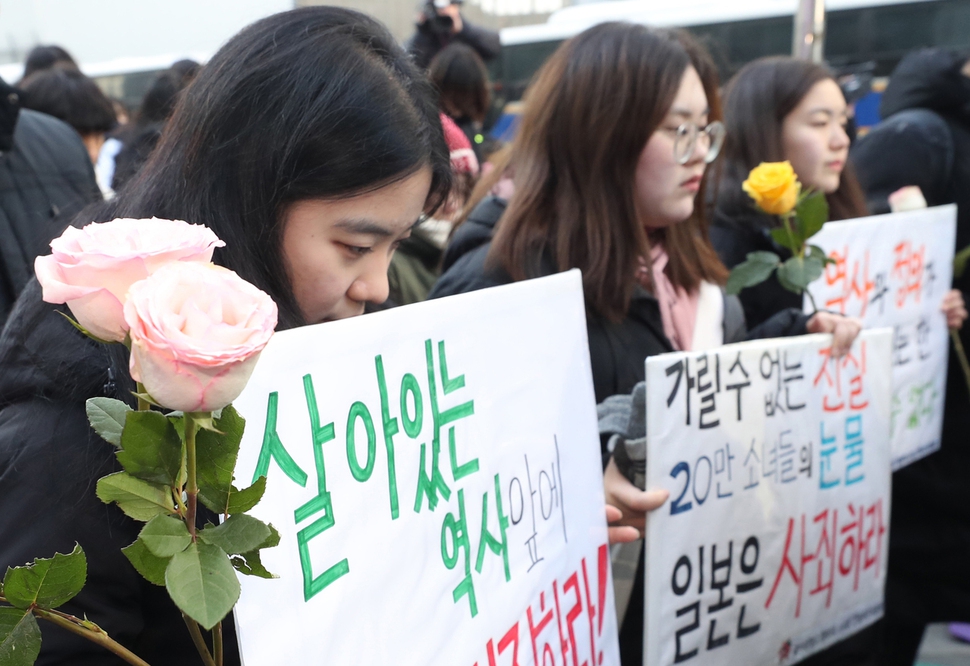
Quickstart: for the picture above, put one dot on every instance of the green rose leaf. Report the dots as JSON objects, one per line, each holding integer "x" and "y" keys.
{"x": 783, "y": 238}
{"x": 238, "y": 534}
{"x": 216, "y": 458}
{"x": 816, "y": 251}
{"x": 151, "y": 448}
{"x": 46, "y": 582}
{"x": 139, "y": 499}
{"x": 151, "y": 567}
{"x": 797, "y": 273}
{"x": 107, "y": 417}
{"x": 250, "y": 565}
{"x": 272, "y": 540}
{"x": 19, "y": 637}
{"x": 165, "y": 536}
{"x": 202, "y": 583}
{"x": 812, "y": 212}
{"x": 243, "y": 500}
{"x": 755, "y": 270}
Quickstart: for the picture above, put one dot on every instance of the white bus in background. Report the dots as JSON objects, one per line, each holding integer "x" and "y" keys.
{"x": 879, "y": 32}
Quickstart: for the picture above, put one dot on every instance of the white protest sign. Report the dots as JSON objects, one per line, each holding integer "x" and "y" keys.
{"x": 893, "y": 270}
{"x": 435, "y": 474}
{"x": 773, "y": 544}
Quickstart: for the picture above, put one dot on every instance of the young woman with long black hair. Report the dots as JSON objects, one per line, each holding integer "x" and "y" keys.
{"x": 310, "y": 144}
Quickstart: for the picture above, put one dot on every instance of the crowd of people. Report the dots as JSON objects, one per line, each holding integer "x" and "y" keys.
{"x": 627, "y": 164}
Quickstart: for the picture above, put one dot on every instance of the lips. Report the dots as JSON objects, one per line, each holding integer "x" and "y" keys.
{"x": 692, "y": 184}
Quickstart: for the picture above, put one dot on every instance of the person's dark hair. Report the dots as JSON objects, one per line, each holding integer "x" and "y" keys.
{"x": 313, "y": 103}
{"x": 67, "y": 94}
{"x": 461, "y": 78}
{"x": 140, "y": 137}
{"x": 756, "y": 101}
{"x": 159, "y": 102}
{"x": 588, "y": 116}
{"x": 46, "y": 57}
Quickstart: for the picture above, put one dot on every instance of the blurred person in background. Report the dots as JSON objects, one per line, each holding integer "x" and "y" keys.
{"x": 464, "y": 93}
{"x": 924, "y": 140}
{"x": 439, "y": 24}
{"x": 122, "y": 114}
{"x": 46, "y": 57}
{"x": 69, "y": 95}
{"x": 417, "y": 263}
{"x": 138, "y": 138}
{"x": 45, "y": 179}
{"x": 778, "y": 109}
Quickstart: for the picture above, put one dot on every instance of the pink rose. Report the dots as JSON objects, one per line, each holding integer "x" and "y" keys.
{"x": 907, "y": 198}
{"x": 91, "y": 269}
{"x": 196, "y": 332}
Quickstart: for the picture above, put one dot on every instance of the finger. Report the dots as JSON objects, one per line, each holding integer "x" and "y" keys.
{"x": 647, "y": 500}
{"x": 819, "y": 323}
{"x": 845, "y": 333}
{"x": 622, "y": 534}
{"x": 613, "y": 514}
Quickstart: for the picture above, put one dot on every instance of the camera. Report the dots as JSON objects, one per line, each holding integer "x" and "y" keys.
{"x": 442, "y": 25}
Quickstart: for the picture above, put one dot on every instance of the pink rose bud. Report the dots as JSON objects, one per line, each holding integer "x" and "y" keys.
{"x": 907, "y": 198}
{"x": 196, "y": 332}
{"x": 91, "y": 269}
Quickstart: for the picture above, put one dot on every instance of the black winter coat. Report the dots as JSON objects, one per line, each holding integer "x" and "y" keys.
{"x": 46, "y": 177}
{"x": 735, "y": 234}
{"x": 50, "y": 461}
{"x": 425, "y": 44}
{"x": 925, "y": 141}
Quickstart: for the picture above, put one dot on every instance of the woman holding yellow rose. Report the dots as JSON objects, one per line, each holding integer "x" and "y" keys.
{"x": 788, "y": 116}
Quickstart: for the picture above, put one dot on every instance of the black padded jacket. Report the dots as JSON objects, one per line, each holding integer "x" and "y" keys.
{"x": 46, "y": 177}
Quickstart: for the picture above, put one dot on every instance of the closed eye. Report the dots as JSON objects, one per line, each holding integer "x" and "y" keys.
{"x": 357, "y": 250}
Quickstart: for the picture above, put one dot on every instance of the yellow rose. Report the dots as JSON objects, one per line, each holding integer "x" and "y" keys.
{"x": 773, "y": 186}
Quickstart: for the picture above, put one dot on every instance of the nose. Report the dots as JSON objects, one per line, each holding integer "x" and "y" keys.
{"x": 371, "y": 285}
{"x": 702, "y": 144}
{"x": 840, "y": 139}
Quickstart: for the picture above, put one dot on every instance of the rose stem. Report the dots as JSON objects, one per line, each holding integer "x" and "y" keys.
{"x": 786, "y": 219}
{"x": 961, "y": 354}
{"x": 217, "y": 643}
{"x": 192, "y": 490}
{"x": 73, "y": 625}
{"x": 143, "y": 405}
{"x": 198, "y": 640}
{"x": 812, "y": 299}
{"x": 192, "y": 486}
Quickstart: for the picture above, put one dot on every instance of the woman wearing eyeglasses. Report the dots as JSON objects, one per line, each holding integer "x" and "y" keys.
{"x": 780, "y": 109}
{"x": 608, "y": 167}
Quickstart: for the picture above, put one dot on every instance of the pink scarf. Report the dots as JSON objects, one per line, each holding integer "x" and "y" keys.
{"x": 678, "y": 307}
